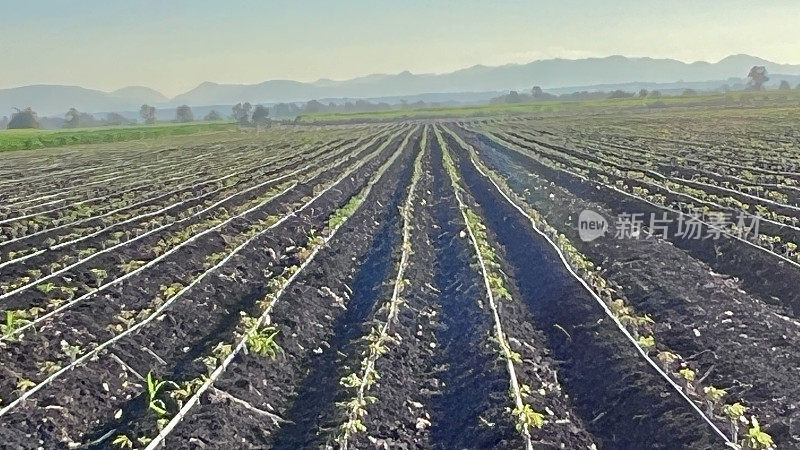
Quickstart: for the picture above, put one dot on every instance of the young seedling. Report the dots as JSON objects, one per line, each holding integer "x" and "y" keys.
{"x": 99, "y": 276}
{"x": 154, "y": 387}
{"x": 48, "y": 368}
{"x": 218, "y": 353}
{"x": 171, "y": 290}
{"x": 735, "y": 414}
{"x": 261, "y": 341}
{"x": 527, "y": 417}
{"x": 756, "y": 438}
{"x": 122, "y": 441}
{"x": 647, "y": 342}
{"x": 46, "y": 287}
{"x": 715, "y": 396}
{"x": 23, "y": 384}
{"x": 187, "y": 389}
{"x": 687, "y": 374}
{"x": 15, "y": 319}
{"x": 68, "y": 291}
{"x": 130, "y": 266}
{"x": 73, "y": 351}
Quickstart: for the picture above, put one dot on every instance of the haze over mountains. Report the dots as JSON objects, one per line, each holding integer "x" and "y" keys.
{"x": 549, "y": 74}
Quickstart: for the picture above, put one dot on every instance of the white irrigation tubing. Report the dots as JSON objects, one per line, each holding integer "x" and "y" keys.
{"x": 141, "y": 236}
{"x": 121, "y": 244}
{"x": 114, "y": 175}
{"x": 724, "y": 163}
{"x": 103, "y": 230}
{"x": 126, "y": 189}
{"x": 156, "y": 260}
{"x": 161, "y": 164}
{"x": 73, "y": 192}
{"x": 511, "y": 146}
{"x": 675, "y": 211}
{"x": 556, "y": 154}
{"x": 133, "y": 219}
{"x": 36, "y": 177}
{"x": 152, "y": 262}
{"x": 635, "y": 152}
{"x": 498, "y": 327}
{"x": 164, "y": 432}
{"x": 398, "y": 280}
{"x": 171, "y": 300}
{"x": 177, "y": 189}
{"x": 599, "y": 301}
{"x": 676, "y": 180}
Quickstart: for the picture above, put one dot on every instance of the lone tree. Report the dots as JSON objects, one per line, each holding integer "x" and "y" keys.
{"x": 784, "y": 86}
{"x": 73, "y": 118}
{"x": 23, "y": 118}
{"x": 148, "y": 114}
{"x": 261, "y": 115}
{"x": 756, "y": 78}
{"x": 213, "y": 116}
{"x": 513, "y": 97}
{"x": 184, "y": 114}
{"x": 241, "y": 112}
{"x": 537, "y": 92}
{"x": 643, "y": 92}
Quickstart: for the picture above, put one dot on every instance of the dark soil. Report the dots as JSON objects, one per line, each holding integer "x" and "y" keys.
{"x": 201, "y": 313}
{"x": 741, "y": 342}
{"x": 762, "y": 274}
{"x": 307, "y": 315}
{"x": 625, "y": 402}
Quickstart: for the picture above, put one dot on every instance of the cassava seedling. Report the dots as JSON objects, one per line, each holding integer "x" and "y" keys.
{"x": 122, "y": 441}
{"x": 261, "y": 341}
{"x": 715, "y": 396}
{"x": 99, "y": 275}
{"x": 154, "y": 387}
{"x": 527, "y": 417}
{"x": 735, "y": 413}
{"x": 757, "y": 438}
{"x": 15, "y": 319}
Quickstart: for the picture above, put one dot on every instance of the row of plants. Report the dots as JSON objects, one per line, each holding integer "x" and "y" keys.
{"x": 163, "y": 174}
{"x": 255, "y": 230}
{"x": 744, "y": 430}
{"x": 693, "y": 207}
{"x": 379, "y": 338}
{"x": 715, "y": 171}
{"x": 220, "y": 216}
{"x": 157, "y": 161}
{"x": 525, "y": 416}
{"x": 175, "y": 199}
{"x": 729, "y": 147}
{"x": 258, "y": 335}
{"x": 633, "y": 171}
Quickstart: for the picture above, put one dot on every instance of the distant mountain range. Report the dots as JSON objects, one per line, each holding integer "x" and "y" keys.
{"x": 552, "y": 74}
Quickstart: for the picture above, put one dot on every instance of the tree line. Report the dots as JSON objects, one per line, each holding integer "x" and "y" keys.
{"x": 756, "y": 79}
{"x": 243, "y": 113}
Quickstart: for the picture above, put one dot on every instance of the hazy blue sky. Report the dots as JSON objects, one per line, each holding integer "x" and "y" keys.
{"x": 174, "y": 45}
